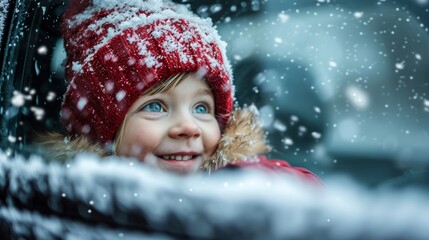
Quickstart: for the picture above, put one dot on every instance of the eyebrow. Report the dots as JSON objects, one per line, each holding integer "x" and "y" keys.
{"x": 204, "y": 91}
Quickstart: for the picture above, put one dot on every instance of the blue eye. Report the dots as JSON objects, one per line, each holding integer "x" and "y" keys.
{"x": 153, "y": 107}
{"x": 200, "y": 108}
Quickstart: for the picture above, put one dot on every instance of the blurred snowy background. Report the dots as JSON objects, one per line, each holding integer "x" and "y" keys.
{"x": 342, "y": 85}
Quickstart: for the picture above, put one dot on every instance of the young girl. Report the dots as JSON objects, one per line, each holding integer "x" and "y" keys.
{"x": 150, "y": 80}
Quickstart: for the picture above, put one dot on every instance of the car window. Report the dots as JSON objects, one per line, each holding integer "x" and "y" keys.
{"x": 341, "y": 86}
{"x": 34, "y": 87}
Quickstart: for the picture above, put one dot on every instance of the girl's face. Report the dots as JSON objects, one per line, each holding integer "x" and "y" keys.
{"x": 176, "y": 129}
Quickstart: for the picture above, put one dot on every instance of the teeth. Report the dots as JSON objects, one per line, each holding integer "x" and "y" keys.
{"x": 177, "y": 157}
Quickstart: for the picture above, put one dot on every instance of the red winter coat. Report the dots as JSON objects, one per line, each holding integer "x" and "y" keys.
{"x": 279, "y": 166}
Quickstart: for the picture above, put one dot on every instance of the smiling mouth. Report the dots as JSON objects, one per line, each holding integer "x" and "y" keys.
{"x": 178, "y": 157}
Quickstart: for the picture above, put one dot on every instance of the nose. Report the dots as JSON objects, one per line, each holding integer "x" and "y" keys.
{"x": 185, "y": 128}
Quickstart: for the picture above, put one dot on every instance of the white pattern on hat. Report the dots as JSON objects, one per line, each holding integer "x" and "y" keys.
{"x": 128, "y": 15}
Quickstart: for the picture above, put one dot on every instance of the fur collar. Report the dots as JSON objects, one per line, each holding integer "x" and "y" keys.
{"x": 242, "y": 138}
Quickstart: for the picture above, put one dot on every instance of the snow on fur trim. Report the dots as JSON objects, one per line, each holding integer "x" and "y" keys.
{"x": 242, "y": 139}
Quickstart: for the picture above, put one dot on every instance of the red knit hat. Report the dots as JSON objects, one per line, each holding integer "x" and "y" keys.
{"x": 116, "y": 50}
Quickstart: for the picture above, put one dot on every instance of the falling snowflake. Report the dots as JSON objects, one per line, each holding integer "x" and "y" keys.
{"x": 18, "y": 99}
{"x": 316, "y": 135}
{"x": 357, "y": 97}
{"x": 38, "y": 112}
{"x": 400, "y": 65}
{"x": 333, "y": 64}
{"x": 426, "y": 103}
{"x": 317, "y": 109}
{"x": 11, "y": 139}
{"x": 358, "y": 14}
{"x": 418, "y": 56}
{"x": 42, "y": 50}
{"x": 50, "y": 96}
{"x": 82, "y": 103}
{"x": 120, "y": 95}
{"x": 215, "y": 8}
{"x": 109, "y": 86}
{"x": 302, "y": 129}
{"x": 279, "y": 126}
{"x": 288, "y": 141}
{"x": 278, "y": 40}
{"x": 283, "y": 17}
{"x": 294, "y": 118}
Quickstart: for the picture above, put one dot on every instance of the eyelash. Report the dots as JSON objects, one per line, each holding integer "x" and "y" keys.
{"x": 163, "y": 108}
{"x": 208, "y": 105}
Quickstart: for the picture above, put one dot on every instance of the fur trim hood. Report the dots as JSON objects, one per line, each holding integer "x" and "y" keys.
{"x": 242, "y": 138}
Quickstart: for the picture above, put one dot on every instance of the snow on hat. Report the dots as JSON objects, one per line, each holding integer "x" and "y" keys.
{"x": 116, "y": 50}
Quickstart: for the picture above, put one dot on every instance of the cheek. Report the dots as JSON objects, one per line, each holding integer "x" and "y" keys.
{"x": 212, "y": 138}
{"x": 138, "y": 141}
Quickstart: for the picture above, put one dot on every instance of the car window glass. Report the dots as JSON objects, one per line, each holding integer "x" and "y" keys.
{"x": 341, "y": 86}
